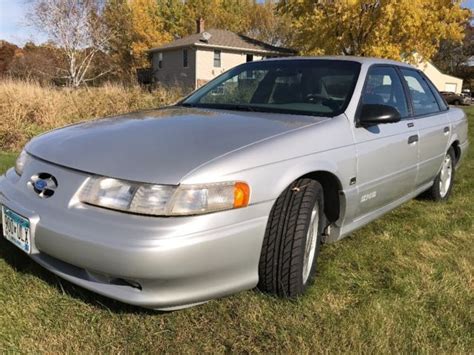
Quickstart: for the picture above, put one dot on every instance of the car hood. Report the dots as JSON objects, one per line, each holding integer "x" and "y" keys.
{"x": 159, "y": 146}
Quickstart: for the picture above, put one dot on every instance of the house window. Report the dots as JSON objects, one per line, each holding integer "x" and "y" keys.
{"x": 217, "y": 59}
{"x": 160, "y": 60}
{"x": 249, "y": 58}
{"x": 185, "y": 58}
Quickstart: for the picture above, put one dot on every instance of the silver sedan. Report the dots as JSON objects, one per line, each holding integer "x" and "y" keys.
{"x": 236, "y": 186}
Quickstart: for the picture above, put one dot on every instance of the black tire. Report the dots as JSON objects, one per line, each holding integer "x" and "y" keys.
{"x": 282, "y": 255}
{"x": 457, "y": 102}
{"x": 435, "y": 192}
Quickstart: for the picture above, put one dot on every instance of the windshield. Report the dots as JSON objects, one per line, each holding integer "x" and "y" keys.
{"x": 306, "y": 87}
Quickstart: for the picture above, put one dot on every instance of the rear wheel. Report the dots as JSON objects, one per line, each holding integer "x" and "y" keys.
{"x": 457, "y": 102}
{"x": 292, "y": 240}
{"x": 443, "y": 183}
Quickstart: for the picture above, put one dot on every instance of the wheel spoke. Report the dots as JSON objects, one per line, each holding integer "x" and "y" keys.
{"x": 445, "y": 176}
{"x": 311, "y": 241}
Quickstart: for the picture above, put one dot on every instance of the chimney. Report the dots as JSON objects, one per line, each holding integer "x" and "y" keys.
{"x": 200, "y": 25}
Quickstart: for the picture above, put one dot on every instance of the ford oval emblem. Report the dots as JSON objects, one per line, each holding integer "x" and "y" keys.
{"x": 40, "y": 185}
{"x": 43, "y": 184}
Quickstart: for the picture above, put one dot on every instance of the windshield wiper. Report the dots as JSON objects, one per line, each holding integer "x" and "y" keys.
{"x": 186, "y": 104}
{"x": 250, "y": 108}
{"x": 239, "y": 107}
{"x": 232, "y": 107}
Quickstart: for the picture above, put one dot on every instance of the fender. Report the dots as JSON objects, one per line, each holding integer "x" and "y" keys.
{"x": 274, "y": 178}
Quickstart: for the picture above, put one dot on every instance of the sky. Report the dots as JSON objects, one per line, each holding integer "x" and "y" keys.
{"x": 12, "y": 22}
{"x": 13, "y": 25}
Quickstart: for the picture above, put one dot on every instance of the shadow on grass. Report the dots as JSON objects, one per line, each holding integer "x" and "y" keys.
{"x": 21, "y": 263}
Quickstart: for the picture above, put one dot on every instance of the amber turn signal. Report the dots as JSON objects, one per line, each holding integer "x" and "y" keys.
{"x": 241, "y": 194}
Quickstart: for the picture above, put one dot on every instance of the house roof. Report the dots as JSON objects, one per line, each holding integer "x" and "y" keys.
{"x": 225, "y": 40}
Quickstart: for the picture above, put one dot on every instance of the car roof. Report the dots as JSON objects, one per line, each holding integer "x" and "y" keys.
{"x": 362, "y": 60}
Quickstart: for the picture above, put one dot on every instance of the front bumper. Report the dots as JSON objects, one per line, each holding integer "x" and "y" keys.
{"x": 154, "y": 262}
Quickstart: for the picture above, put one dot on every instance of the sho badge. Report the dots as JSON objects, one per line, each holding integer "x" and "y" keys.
{"x": 368, "y": 196}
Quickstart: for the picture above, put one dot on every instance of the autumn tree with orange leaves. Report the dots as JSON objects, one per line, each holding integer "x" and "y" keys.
{"x": 396, "y": 29}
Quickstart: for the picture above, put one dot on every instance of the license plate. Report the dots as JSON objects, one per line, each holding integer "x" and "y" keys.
{"x": 16, "y": 229}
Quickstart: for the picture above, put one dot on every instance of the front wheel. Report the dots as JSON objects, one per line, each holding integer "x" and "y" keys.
{"x": 292, "y": 240}
{"x": 443, "y": 183}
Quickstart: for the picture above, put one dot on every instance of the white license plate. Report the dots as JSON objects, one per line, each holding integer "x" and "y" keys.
{"x": 16, "y": 229}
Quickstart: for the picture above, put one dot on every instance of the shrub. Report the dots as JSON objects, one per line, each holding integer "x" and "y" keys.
{"x": 27, "y": 108}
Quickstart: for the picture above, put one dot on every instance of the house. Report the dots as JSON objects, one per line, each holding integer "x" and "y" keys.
{"x": 194, "y": 60}
{"x": 443, "y": 82}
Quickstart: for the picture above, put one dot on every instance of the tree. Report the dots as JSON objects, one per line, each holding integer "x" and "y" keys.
{"x": 147, "y": 29}
{"x": 233, "y": 15}
{"x": 137, "y": 26}
{"x": 196, "y": 9}
{"x": 255, "y": 19}
{"x": 452, "y": 58}
{"x": 8, "y": 52}
{"x": 118, "y": 19}
{"x": 39, "y": 63}
{"x": 173, "y": 16}
{"x": 452, "y": 55}
{"x": 77, "y": 28}
{"x": 396, "y": 29}
{"x": 267, "y": 25}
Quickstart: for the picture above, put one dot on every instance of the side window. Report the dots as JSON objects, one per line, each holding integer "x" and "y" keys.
{"x": 185, "y": 58}
{"x": 383, "y": 87}
{"x": 160, "y": 60}
{"x": 217, "y": 59}
{"x": 441, "y": 101}
{"x": 422, "y": 98}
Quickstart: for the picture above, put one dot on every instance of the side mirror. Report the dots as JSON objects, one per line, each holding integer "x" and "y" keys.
{"x": 371, "y": 114}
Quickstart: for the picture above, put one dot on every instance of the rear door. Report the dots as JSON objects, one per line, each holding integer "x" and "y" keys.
{"x": 432, "y": 122}
{"x": 387, "y": 154}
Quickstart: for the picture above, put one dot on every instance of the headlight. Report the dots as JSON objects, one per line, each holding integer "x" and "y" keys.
{"x": 164, "y": 200}
{"x": 21, "y": 162}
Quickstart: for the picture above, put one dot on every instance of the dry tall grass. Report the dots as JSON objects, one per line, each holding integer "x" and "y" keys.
{"x": 27, "y": 108}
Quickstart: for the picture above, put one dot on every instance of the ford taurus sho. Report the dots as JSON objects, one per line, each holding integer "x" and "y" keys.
{"x": 236, "y": 186}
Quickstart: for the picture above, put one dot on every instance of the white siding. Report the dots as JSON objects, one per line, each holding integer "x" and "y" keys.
{"x": 442, "y": 81}
{"x": 172, "y": 72}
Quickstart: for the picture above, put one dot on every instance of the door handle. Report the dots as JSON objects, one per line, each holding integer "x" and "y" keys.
{"x": 413, "y": 139}
{"x": 446, "y": 130}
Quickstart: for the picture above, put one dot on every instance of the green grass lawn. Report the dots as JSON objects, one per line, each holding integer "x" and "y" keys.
{"x": 7, "y": 160}
{"x": 401, "y": 284}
